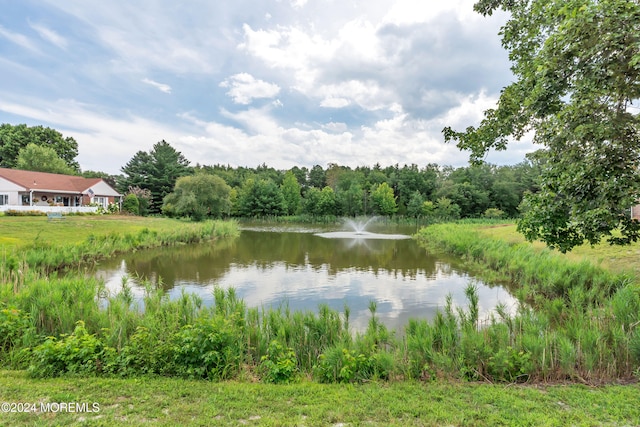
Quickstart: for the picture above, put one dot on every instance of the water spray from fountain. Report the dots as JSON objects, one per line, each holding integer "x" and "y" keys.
{"x": 359, "y": 226}
{"x": 358, "y": 230}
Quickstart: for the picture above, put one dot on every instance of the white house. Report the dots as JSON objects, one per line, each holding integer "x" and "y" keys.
{"x": 27, "y": 190}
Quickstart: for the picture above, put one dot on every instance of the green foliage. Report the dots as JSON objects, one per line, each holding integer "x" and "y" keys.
{"x": 14, "y": 325}
{"x": 311, "y": 202}
{"x": 15, "y": 138}
{"x": 471, "y": 199}
{"x": 156, "y": 171}
{"x": 208, "y": 349}
{"x": 416, "y": 205}
{"x": 576, "y": 67}
{"x": 446, "y": 209}
{"x": 327, "y": 202}
{"x": 383, "y": 200}
{"x": 41, "y": 158}
{"x": 144, "y": 199}
{"x": 493, "y": 213}
{"x": 261, "y": 198}
{"x": 78, "y": 353}
{"x": 351, "y": 199}
{"x": 349, "y": 192}
{"x": 339, "y": 364}
{"x": 12, "y": 212}
{"x": 144, "y": 353}
{"x": 279, "y": 365}
{"x": 317, "y": 177}
{"x": 198, "y": 196}
{"x": 291, "y": 193}
{"x": 131, "y": 204}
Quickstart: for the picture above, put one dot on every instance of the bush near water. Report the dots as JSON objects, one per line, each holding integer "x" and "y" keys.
{"x": 577, "y": 322}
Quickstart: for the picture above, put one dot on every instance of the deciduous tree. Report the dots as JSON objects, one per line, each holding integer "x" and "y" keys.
{"x": 383, "y": 199}
{"x": 291, "y": 193}
{"x": 14, "y": 138}
{"x": 198, "y": 196}
{"x": 41, "y": 158}
{"x": 260, "y": 198}
{"x": 577, "y": 71}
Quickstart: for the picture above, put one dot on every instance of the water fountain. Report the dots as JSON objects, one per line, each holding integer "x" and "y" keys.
{"x": 358, "y": 231}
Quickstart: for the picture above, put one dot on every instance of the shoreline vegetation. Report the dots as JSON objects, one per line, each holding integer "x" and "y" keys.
{"x": 579, "y": 323}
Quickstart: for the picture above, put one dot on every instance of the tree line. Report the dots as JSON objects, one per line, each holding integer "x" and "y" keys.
{"x": 175, "y": 188}
{"x": 163, "y": 181}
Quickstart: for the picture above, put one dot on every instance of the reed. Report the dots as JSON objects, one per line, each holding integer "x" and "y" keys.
{"x": 544, "y": 274}
{"x": 576, "y": 322}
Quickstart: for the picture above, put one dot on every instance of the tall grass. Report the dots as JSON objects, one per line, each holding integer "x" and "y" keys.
{"x": 52, "y": 256}
{"x": 538, "y": 276}
{"x": 228, "y": 340}
{"x": 579, "y": 322}
{"x": 576, "y": 322}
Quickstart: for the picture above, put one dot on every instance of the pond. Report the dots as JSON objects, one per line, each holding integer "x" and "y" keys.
{"x": 303, "y": 267}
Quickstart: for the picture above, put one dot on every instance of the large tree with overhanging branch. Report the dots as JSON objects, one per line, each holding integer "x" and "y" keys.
{"x": 577, "y": 85}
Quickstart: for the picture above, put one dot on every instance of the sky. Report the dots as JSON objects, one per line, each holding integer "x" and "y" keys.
{"x": 244, "y": 82}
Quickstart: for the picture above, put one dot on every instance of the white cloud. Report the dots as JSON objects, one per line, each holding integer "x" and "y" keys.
{"x": 17, "y": 38}
{"x": 403, "y": 12}
{"x": 244, "y": 88}
{"x": 335, "y": 127}
{"x": 367, "y": 94}
{"x": 331, "y": 102}
{"x": 355, "y": 82}
{"x": 50, "y": 36}
{"x": 160, "y": 86}
{"x": 298, "y": 4}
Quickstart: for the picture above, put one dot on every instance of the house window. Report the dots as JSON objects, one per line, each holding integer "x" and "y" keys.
{"x": 102, "y": 201}
{"x": 4, "y": 199}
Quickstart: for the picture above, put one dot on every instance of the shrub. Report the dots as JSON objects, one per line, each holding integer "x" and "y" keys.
{"x": 279, "y": 365}
{"x": 131, "y": 204}
{"x": 340, "y": 365}
{"x": 493, "y": 213}
{"x": 78, "y": 353}
{"x": 13, "y": 325}
{"x": 12, "y": 212}
{"x": 208, "y": 349}
{"x": 145, "y": 353}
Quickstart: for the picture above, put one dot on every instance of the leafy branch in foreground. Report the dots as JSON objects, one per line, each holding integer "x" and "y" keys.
{"x": 577, "y": 68}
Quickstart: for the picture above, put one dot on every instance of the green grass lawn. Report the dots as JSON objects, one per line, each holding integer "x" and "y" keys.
{"x": 617, "y": 259}
{"x": 173, "y": 402}
{"x": 21, "y": 230}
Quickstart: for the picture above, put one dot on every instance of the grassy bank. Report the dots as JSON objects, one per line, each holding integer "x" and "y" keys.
{"x": 71, "y": 341}
{"x": 616, "y": 259}
{"x": 24, "y": 230}
{"x": 48, "y": 246}
{"x": 580, "y": 325}
{"x": 579, "y": 318}
{"x": 172, "y": 402}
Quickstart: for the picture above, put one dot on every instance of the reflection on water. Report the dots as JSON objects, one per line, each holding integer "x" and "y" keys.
{"x": 269, "y": 268}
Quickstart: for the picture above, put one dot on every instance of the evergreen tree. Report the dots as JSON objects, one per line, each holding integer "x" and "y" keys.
{"x": 156, "y": 171}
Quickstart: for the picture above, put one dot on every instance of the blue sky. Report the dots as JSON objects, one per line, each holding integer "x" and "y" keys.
{"x": 281, "y": 82}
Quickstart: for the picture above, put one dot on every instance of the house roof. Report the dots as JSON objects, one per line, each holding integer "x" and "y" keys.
{"x": 47, "y": 182}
